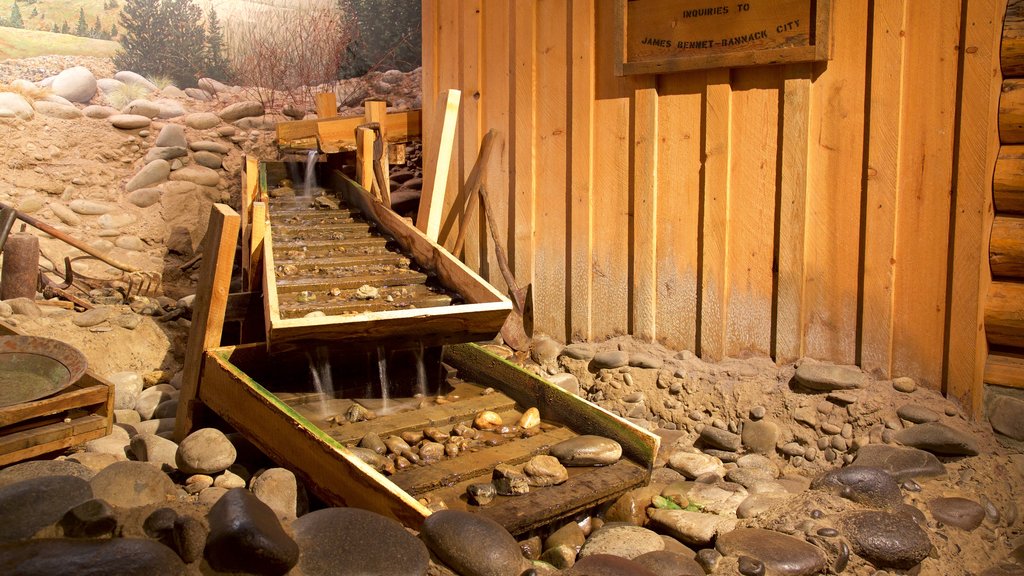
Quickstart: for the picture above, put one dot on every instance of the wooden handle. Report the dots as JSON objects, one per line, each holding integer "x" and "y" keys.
{"x": 476, "y": 178}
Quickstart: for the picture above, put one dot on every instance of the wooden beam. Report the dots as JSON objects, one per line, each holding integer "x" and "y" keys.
{"x": 255, "y": 244}
{"x": 364, "y": 158}
{"x": 432, "y": 199}
{"x": 337, "y": 134}
{"x": 472, "y": 189}
{"x": 207, "y": 310}
{"x": 1004, "y": 314}
{"x": 1012, "y": 52}
{"x": 1005, "y": 369}
{"x": 1011, "y": 112}
{"x": 1008, "y": 182}
{"x": 326, "y": 105}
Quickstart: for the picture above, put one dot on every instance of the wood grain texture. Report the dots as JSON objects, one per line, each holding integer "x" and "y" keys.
{"x": 1011, "y": 112}
{"x": 715, "y": 210}
{"x": 645, "y": 231}
{"x": 523, "y": 163}
{"x": 496, "y": 112}
{"x": 581, "y": 170}
{"x": 1005, "y": 369}
{"x": 1006, "y": 250}
{"x": 1011, "y": 54}
{"x": 1008, "y": 182}
{"x": 1004, "y": 314}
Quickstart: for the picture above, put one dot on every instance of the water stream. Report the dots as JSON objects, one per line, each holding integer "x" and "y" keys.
{"x": 320, "y": 369}
{"x": 309, "y": 182}
{"x": 421, "y": 373}
{"x": 382, "y": 368}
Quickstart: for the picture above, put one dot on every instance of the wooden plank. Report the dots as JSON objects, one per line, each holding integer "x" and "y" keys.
{"x": 788, "y": 342}
{"x": 645, "y": 168}
{"x": 581, "y": 169}
{"x": 208, "y": 309}
{"x": 364, "y": 158}
{"x": 1011, "y": 112}
{"x": 331, "y": 470}
{"x": 472, "y": 190}
{"x": 1008, "y": 182}
{"x": 255, "y": 245}
{"x": 715, "y": 214}
{"x": 482, "y": 462}
{"x": 1005, "y": 369}
{"x": 1006, "y": 250}
{"x": 922, "y": 221}
{"x": 288, "y": 132}
{"x": 338, "y": 134}
{"x": 376, "y": 111}
{"x": 523, "y": 167}
{"x": 551, "y": 149}
{"x": 883, "y": 183}
{"x": 432, "y": 199}
{"x": 468, "y": 138}
{"x": 73, "y": 398}
{"x": 250, "y": 192}
{"x": 751, "y": 216}
{"x": 1004, "y": 314}
{"x": 1011, "y": 55}
{"x": 677, "y": 261}
{"x": 50, "y": 438}
{"x": 835, "y": 166}
{"x": 978, "y": 148}
{"x": 496, "y": 114}
{"x": 326, "y": 105}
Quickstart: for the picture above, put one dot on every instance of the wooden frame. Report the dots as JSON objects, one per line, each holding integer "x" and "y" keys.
{"x": 479, "y": 319}
{"x": 818, "y": 47}
{"x": 332, "y": 135}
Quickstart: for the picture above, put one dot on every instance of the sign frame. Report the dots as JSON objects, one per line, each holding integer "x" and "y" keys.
{"x": 819, "y": 50}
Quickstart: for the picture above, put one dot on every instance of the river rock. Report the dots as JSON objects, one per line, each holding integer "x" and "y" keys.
{"x": 142, "y": 107}
{"x": 609, "y": 360}
{"x": 360, "y": 541}
{"x": 165, "y": 153}
{"x": 129, "y": 77}
{"x": 210, "y": 146}
{"x": 472, "y": 545}
{"x": 115, "y": 443}
{"x": 129, "y": 121}
{"x": 31, "y": 505}
{"x": 202, "y": 120}
{"x": 631, "y": 507}
{"x": 938, "y": 439}
{"x": 587, "y": 450}
{"x": 607, "y": 565}
{"x": 670, "y": 563}
{"x": 545, "y": 351}
{"x": 168, "y": 108}
{"x": 34, "y": 469}
{"x": 87, "y": 557}
{"x": 114, "y": 221}
{"x": 208, "y": 159}
{"x": 246, "y": 536}
{"x": 578, "y": 351}
{"x": 144, "y": 197}
{"x": 229, "y": 480}
{"x": 171, "y": 135}
{"x": 155, "y": 450}
{"x": 828, "y": 377}
{"x": 900, "y": 462}
{"x": 960, "y": 512}
{"x": 65, "y": 214}
{"x": 862, "y": 484}
{"x": 90, "y": 519}
{"x": 885, "y": 539}
{"x": 721, "y": 439}
{"x": 781, "y": 554}
{"x": 205, "y": 451}
{"x": 14, "y": 104}
{"x": 152, "y": 173}
{"x": 916, "y": 413}
{"x": 545, "y": 470}
{"x": 108, "y": 85}
{"x": 625, "y": 541}
{"x": 1006, "y": 414}
{"x": 570, "y": 535}
{"x": 757, "y": 504}
{"x": 692, "y": 528}
{"x": 127, "y": 385}
{"x": 95, "y": 461}
{"x": 200, "y": 175}
{"x": 760, "y": 436}
{"x": 278, "y": 488}
{"x": 716, "y": 499}
{"x": 241, "y": 110}
{"x": 131, "y": 484}
{"x": 90, "y": 207}
{"x": 77, "y": 84}
{"x": 55, "y": 110}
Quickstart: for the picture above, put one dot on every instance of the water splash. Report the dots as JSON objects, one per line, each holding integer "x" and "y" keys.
{"x": 382, "y": 368}
{"x": 310, "y": 181}
{"x": 320, "y": 369}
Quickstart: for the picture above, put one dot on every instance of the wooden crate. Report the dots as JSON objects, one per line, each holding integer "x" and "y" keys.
{"x": 81, "y": 412}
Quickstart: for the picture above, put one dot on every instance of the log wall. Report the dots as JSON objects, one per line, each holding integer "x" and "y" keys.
{"x": 835, "y": 210}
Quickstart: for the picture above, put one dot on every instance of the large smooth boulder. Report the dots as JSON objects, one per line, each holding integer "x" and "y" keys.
{"x": 246, "y": 536}
{"x": 31, "y": 505}
{"x": 472, "y": 544}
{"x": 361, "y": 541}
{"x": 77, "y": 84}
{"x": 132, "y": 484}
{"x": 14, "y": 104}
{"x": 129, "y": 77}
{"x": 82, "y": 557}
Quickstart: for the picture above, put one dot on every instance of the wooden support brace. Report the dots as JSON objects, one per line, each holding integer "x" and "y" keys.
{"x": 208, "y": 310}
{"x": 326, "y": 105}
{"x": 364, "y": 160}
{"x": 255, "y": 245}
{"x": 377, "y": 111}
{"x": 428, "y": 220}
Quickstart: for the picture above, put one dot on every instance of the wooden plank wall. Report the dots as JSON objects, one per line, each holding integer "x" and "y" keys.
{"x": 783, "y": 211}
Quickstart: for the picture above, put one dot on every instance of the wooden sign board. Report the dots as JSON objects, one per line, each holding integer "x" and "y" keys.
{"x": 661, "y": 36}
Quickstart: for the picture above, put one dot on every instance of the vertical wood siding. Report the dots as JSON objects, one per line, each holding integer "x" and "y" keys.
{"x": 783, "y": 211}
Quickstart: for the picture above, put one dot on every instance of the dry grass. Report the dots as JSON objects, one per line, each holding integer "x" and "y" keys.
{"x": 161, "y": 81}
{"x": 18, "y": 43}
{"x": 124, "y": 94}
{"x": 31, "y": 92}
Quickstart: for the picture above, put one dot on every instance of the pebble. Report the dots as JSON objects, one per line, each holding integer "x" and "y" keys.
{"x": 938, "y": 439}
{"x": 205, "y": 451}
{"x": 887, "y": 540}
{"x": 31, "y": 505}
{"x": 721, "y": 439}
{"x": 622, "y": 540}
{"x": 209, "y": 146}
{"x": 130, "y": 484}
{"x": 279, "y": 489}
{"x": 569, "y": 535}
{"x": 587, "y": 450}
{"x": 152, "y": 173}
{"x": 208, "y": 159}
{"x": 916, "y": 413}
{"x": 608, "y": 360}
{"x": 959, "y": 512}
{"x": 481, "y": 494}
{"x": 49, "y": 556}
{"x": 904, "y": 384}
{"x": 864, "y": 485}
{"x": 229, "y": 480}
{"x": 757, "y": 412}
{"x": 360, "y": 541}
{"x": 201, "y": 120}
{"x": 829, "y": 377}
{"x": 246, "y": 536}
{"x": 200, "y": 175}
{"x": 694, "y": 464}
{"x": 545, "y": 470}
{"x": 90, "y": 207}
{"x": 129, "y": 121}
{"x": 1006, "y": 415}
{"x": 472, "y": 545}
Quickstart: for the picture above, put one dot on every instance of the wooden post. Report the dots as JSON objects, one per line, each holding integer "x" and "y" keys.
{"x": 326, "y": 105}
{"x": 250, "y": 189}
{"x": 476, "y": 178}
{"x": 255, "y": 245}
{"x": 377, "y": 111}
{"x": 207, "y": 310}
{"x": 428, "y": 219}
{"x": 364, "y": 160}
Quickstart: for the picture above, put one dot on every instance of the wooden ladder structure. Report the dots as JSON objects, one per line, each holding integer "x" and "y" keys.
{"x": 1004, "y": 307}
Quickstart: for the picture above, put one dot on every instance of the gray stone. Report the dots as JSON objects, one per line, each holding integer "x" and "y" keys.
{"x": 625, "y": 541}
{"x": 472, "y": 545}
{"x": 938, "y": 439}
{"x": 862, "y": 484}
{"x": 165, "y": 153}
{"x": 65, "y": 214}
{"x": 127, "y": 387}
{"x": 208, "y": 159}
{"x": 76, "y": 84}
{"x": 566, "y": 381}
{"x": 95, "y": 461}
{"x": 115, "y": 443}
{"x": 129, "y": 121}
{"x": 171, "y": 135}
{"x": 132, "y": 484}
{"x": 828, "y": 377}
{"x": 142, "y": 107}
{"x": 88, "y": 557}
{"x": 670, "y": 563}
{"x": 200, "y": 175}
{"x": 901, "y": 463}
{"x": 144, "y": 197}
{"x": 692, "y": 465}
{"x": 692, "y": 528}
{"x": 241, "y": 110}
{"x": 587, "y": 450}
{"x": 579, "y": 351}
{"x": 916, "y": 413}
{"x": 93, "y": 317}
{"x": 277, "y": 488}
{"x": 90, "y": 207}
{"x": 205, "y": 451}
{"x": 360, "y": 541}
{"x": 960, "y": 512}
{"x": 149, "y": 399}
{"x": 781, "y": 554}
{"x": 210, "y": 146}
{"x": 108, "y": 85}
{"x": 545, "y": 351}
{"x": 155, "y": 450}
{"x": 129, "y": 77}
{"x": 760, "y": 436}
{"x": 609, "y": 360}
{"x": 1006, "y": 414}
{"x": 31, "y": 505}
{"x": 34, "y": 469}
{"x": 202, "y": 120}
{"x": 721, "y": 439}
{"x": 16, "y": 105}
{"x": 246, "y": 536}
{"x": 509, "y": 480}
{"x": 150, "y": 174}
{"x": 885, "y": 539}
{"x": 90, "y": 519}
{"x": 543, "y": 470}
{"x": 168, "y": 108}
{"x": 55, "y": 110}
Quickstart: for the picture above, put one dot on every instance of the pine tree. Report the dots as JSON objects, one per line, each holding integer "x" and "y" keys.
{"x": 97, "y": 29}
{"x": 390, "y": 35}
{"x": 82, "y": 29}
{"x": 15, "y": 20}
{"x": 35, "y": 12}
{"x": 55, "y": 29}
{"x": 64, "y": 28}
{"x": 216, "y": 64}
{"x": 142, "y": 36}
{"x": 163, "y": 38}
{"x": 113, "y": 31}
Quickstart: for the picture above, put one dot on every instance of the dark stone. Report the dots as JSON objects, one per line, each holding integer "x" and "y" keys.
{"x": 609, "y": 359}
{"x": 159, "y": 525}
{"x": 779, "y": 553}
{"x": 1006, "y": 414}
{"x": 885, "y": 539}
{"x": 131, "y": 484}
{"x": 901, "y": 463}
{"x": 481, "y": 494}
{"x": 708, "y": 558}
{"x": 31, "y": 505}
{"x": 472, "y": 545}
{"x": 862, "y": 484}
{"x": 81, "y": 557}
{"x": 360, "y": 541}
{"x": 509, "y": 480}
{"x": 587, "y": 450}
{"x": 189, "y": 538}
{"x": 38, "y": 468}
{"x": 666, "y": 563}
{"x": 246, "y": 536}
{"x": 938, "y": 439}
{"x": 721, "y": 439}
{"x": 750, "y": 566}
{"x": 90, "y": 519}
{"x": 608, "y": 565}
{"x": 960, "y": 512}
